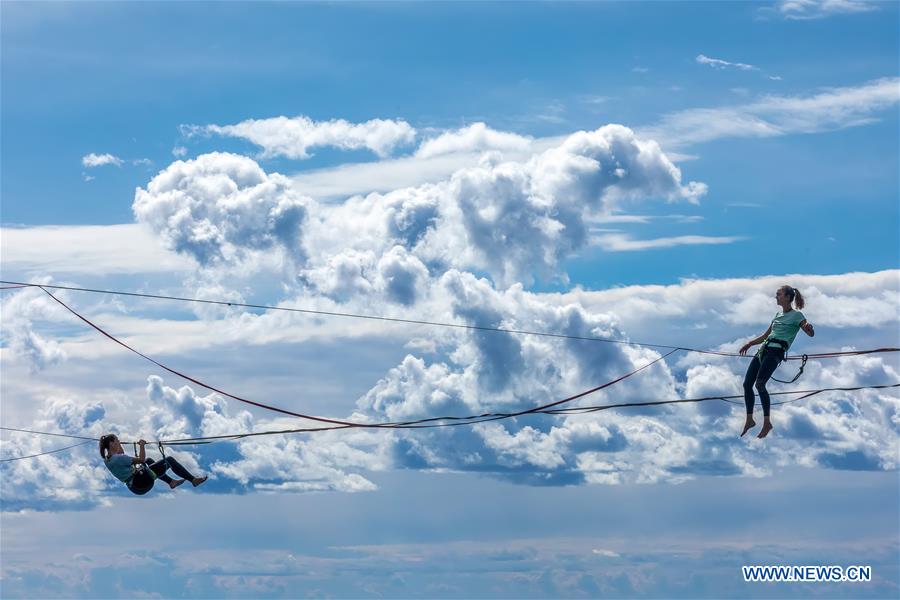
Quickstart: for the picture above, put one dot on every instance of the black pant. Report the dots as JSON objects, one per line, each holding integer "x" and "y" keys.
{"x": 760, "y": 370}
{"x": 142, "y": 483}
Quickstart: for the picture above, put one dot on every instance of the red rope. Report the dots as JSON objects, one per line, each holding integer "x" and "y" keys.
{"x": 324, "y": 419}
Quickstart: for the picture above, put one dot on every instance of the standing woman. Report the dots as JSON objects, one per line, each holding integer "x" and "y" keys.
{"x": 775, "y": 343}
{"x": 139, "y": 473}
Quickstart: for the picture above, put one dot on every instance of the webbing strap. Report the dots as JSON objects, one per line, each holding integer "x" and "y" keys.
{"x": 799, "y": 373}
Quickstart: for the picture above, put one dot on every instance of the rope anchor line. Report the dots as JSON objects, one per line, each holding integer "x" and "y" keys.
{"x": 44, "y": 287}
{"x": 457, "y": 421}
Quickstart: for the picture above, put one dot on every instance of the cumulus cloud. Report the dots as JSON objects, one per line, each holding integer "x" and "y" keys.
{"x": 62, "y": 480}
{"x": 773, "y": 115}
{"x": 484, "y": 373}
{"x": 293, "y": 137}
{"x": 220, "y": 206}
{"x": 417, "y": 249}
{"x": 414, "y": 247}
{"x": 37, "y": 350}
{"x": 513, "y": 220}
{"x": 20, "y": 310}
{"x": 469, "y": 372}
{"x": 490, "y": 372}
{"x": 517, "y": 220}
{"x": 98, "y": 160}
{"x": 78, "y": 479}
{"x": 292, "y": 465}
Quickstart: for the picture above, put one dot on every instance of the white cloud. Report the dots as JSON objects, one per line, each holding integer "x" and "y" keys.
{"x": 835, "y": 108}
{"x": 95, "y": 249}
{"x": 836, "y": 301}
{"x": 293, "y": 137}
{"x": 518, "y": 220}
{"x": 407, "y": 252}
{"x": 477, "y": 137}
{"x": 618, "y": 242}
{"x": 219, "y": 206}
{"x": 98, "y": 160}
{"x": 179, "y": 151}
{"x": 470, "y": 372}
{"x": 20, "y": 310}
{"x": 77, "y": 478}
{"x": 717, "y": 63}
{"x": 773, "y": 115}
{"x": 819, "y": 9}
{"x": 666, "y": 444}
{"x": 515, "y": 220}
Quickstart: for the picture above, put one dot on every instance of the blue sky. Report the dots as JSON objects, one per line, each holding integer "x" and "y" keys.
{"x": 425, "y": 161}
{"x": 80, "y": 70}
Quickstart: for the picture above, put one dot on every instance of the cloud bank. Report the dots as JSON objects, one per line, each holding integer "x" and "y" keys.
{"x": 464, "y": 249}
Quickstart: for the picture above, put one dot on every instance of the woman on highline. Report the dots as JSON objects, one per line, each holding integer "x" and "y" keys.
{"x": 775, "y": 343}
{"x": 139, "y": 473}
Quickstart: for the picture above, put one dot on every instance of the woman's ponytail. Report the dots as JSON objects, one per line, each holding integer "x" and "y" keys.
{"x": 104, "y": 445}
{"x": 793, "y": 295}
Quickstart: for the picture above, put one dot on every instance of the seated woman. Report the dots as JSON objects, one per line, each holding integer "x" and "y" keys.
{"x": 139, "y": 473}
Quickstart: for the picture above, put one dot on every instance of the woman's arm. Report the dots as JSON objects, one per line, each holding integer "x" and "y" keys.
{"x": 807, "y": 328}
{"x": 756, "y": 341}
{"x": 141, "y": 458}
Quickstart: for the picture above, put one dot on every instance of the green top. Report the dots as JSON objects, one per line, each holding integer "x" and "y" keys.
{"x": 785, "y": 326}
{"x": 120, "y": 466}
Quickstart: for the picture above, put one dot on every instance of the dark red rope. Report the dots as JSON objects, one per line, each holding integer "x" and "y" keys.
{"x": 18, "y": 284}
{"x": 323, "y": 419}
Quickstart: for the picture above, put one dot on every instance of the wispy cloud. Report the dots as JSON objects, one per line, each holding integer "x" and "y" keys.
{"x": 87, "y": 249}
{"x": 642, "y": 219}
{"x": 832, "y": 109}
{"x": 614, "y": 242}
{"x": 718, "y": 63}
{"x": 803, "y": 10}
{"x": 98, "y": 160}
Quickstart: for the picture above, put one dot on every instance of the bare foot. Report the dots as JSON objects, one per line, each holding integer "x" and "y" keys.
{"x": 766, "y": 428}
{"x": 747, "y": 425}
{"x": 175, "y": 483}
{"x": 198, "y": 480}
